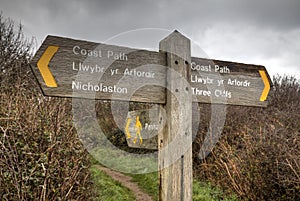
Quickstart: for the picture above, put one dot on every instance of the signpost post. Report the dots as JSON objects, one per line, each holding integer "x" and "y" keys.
{"x": 175, "y": 142}
{"x": 80, "y": 69}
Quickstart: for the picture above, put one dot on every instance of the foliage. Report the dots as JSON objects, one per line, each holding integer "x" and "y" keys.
{"x": 206, "y": 192}
{"x": 148, "y": 182}
{"x": 201, "y": 191}
{"x": 122, "y": 161}
{"x": 40, "y": 155}
{"x": 15, "y": 51}
{"x": 108, "y": 189}
{"x": 258, "y": 154}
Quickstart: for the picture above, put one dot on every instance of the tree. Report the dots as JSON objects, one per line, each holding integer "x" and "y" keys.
{"x": 15, "y": 50}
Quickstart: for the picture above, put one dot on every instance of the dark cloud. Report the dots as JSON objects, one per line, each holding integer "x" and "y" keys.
{"x": 111, "y": 16}
{"x": 260, "y": 31}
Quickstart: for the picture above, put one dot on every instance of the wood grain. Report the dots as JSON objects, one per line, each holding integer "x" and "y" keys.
{"x": 175, "y": 142}
{"x": 141, "y": 89}
{"x": 138, "y": 89}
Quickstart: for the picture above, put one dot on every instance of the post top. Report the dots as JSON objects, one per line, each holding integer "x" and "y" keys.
{"x": 175, "y": 34}
{"x": 177, "y": 44}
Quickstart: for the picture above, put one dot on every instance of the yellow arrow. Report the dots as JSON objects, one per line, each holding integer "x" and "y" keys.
{"x": 44, "y": 68}
{"x": 127, "y": 128}
{"x": 138, "y": 128}
{"x": 267, "y": 85}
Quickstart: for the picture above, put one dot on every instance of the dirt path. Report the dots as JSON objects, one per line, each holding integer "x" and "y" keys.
{"x": 126, "y": 181}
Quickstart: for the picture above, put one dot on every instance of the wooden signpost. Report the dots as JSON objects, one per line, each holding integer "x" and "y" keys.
{"x": 68, "y": 68}
{"x": 73, "y": 68}
{"x": 175, "y": 141}
{"x": 80, "y": 69}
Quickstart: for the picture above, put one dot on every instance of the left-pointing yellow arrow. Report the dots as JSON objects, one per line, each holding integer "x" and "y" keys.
{"x": 44, "y": 68}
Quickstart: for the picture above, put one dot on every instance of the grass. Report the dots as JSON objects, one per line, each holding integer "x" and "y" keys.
{"x": 124, "y": 162}
{"x": 147, "y": 182}
{"x": 205, "y": 192}
{"x": 201, "y": 191}
{"x": 108, "y": 189}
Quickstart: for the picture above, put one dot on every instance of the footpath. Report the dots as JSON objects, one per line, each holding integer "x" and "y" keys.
{"x": 126, "y": 181}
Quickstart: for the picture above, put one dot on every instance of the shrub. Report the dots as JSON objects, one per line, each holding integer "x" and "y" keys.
{"x": 258, "y": 154}
{"x": 41, "y": 157}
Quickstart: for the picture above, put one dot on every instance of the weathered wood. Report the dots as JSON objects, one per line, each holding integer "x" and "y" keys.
{"x": 107, "y": 69}
{"x": 223, "y": 82}
{"x": 69, "y": 68}
{"x": 175, "y": 142}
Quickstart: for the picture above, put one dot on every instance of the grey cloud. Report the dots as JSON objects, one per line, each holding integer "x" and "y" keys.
{"x": 112, "y": 15}
{"x": 254, "y": 29}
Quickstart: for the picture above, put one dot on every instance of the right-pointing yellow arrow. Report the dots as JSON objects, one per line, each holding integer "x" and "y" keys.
{"x": 267, "y": 85}
{"x": 44, "y": 68}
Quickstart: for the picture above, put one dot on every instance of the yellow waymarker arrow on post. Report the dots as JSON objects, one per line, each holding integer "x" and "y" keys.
{"x": 127, "y": 128}
{"x": 267, "y": 85}
{"x": 138, "y": 128}
{"x": 44, "y": 68}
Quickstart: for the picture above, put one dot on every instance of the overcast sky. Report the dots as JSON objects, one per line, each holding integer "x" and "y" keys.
{"x": 263, "y": 32}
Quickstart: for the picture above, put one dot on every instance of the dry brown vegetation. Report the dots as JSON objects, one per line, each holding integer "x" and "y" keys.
{"x": 40, "y": 156}
{"x": 258, "y": 156}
